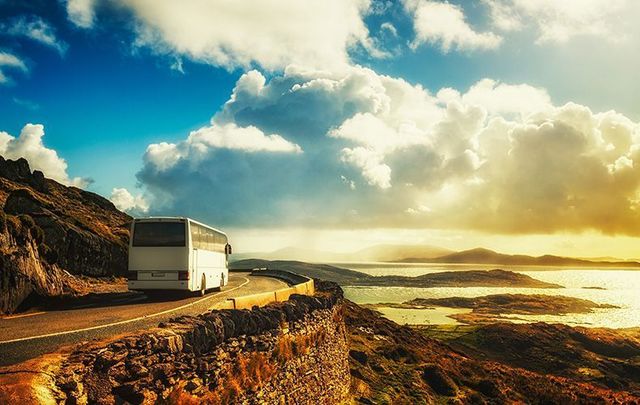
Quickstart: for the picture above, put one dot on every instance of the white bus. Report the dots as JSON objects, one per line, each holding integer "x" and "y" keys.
{"x": 168, "y": 253}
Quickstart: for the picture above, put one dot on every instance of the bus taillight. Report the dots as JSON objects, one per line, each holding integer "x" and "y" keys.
{"x": 132, "y": 275}
{"x": 183, "y": 275}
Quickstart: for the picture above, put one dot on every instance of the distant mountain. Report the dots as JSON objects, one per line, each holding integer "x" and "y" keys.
{"x": 293, "y": 253}
{"x": 377, "y": 253}
{"x": 391, "y": 253}
{"x": 486, "y": 256}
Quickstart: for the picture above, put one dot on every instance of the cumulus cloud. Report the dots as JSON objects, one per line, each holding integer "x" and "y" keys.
{"x": 373, "y": 170}
{"x": 29, "y": 145}
{"x": 271, "y": 33}
{"x": 567, "y": 168}
{"x": 444, "y": 24}
{"x": 81, "y": 12}
{"x": 496, "y": 157}
{"x": 125, "y": 201}
{"x": 501, "y": 98}
{"x": 201, "y": 142}
{"x": 559, "y": 21}
{"x": 10, "y": 61}
{"x": 36, "y": 29}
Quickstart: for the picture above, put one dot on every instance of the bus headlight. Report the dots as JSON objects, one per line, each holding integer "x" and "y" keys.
{"x": 183, "y": 275}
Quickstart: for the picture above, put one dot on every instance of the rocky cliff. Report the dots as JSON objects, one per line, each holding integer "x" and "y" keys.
{"x": 50, "y": 232}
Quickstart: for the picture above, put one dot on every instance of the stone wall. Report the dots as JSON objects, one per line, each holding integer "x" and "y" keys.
{"x": 291, "y": 352}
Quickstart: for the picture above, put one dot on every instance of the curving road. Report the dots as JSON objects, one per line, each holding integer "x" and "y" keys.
{"x": 34, "y": 333}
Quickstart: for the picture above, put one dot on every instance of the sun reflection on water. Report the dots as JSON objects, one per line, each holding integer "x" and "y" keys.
{"x": 616, "y": 287}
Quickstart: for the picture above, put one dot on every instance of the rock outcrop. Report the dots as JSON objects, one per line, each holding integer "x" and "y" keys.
{"x": 25, "y": 269}
{"x": 500, "y": 364}
{"x": 51, "y": 232}
{"x": 607, "y": 358}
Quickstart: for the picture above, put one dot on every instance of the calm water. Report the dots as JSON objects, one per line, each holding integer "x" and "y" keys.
{"x": 622, "y": 288}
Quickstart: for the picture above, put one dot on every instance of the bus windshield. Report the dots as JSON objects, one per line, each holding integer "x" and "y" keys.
{"x": 159, "y": 234}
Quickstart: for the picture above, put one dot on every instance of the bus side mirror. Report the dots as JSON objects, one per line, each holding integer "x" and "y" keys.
{"x": 228, "y": 249}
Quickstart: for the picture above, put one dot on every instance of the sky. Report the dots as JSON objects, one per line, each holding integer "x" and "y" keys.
{"x": 339, "y": 124}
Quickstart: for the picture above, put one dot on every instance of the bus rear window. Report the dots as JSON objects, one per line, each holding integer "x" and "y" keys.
{"x": 159, "y": 234}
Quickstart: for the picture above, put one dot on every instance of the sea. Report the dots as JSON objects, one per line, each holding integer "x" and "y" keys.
{"x": 619, "y": 287}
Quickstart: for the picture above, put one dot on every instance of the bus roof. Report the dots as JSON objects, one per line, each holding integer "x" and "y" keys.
{"x": 170, "y": 219}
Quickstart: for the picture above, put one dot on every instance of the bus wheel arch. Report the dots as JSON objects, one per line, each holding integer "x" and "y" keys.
{"x": 203, "y": 286}
{"x": 222, "y": 283}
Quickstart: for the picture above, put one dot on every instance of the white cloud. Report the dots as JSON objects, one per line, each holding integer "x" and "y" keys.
{"x": 377, "y": 117}
{"x": 350, "y": 183}
{"x": 501, "y": 98}
{"x": 28, "y": 104}
{"x": 125, "y": 201}
{"x": 248, "y": 139}
{"x": 444, "y": 24}
{"x": 557, "y": 170}
{"x": 374, "y": 171}
{"x": 29, "y": 145}
{"x": 38, "y": 30}
{"x": 503, "y": 17}
{"x": 559, "y": 21}
{"x": 271, "y": 33}
{"x": 228, "y": 136}
{"x": 372, "y": 131}
{"x": 81, "y": 12}
{"x": 8, "y": 60}
{"x": 390, "y": 28}
{"x": 497, "y": 157}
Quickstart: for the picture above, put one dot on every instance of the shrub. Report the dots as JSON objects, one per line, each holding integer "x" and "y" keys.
{"x": 15, "y": 228}
{"x": 26, "y": 221}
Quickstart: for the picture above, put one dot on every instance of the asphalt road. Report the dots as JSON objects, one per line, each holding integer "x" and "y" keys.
{"x": 41, "y": 331}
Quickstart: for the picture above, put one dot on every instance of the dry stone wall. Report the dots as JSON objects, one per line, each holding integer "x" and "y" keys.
{"x": 291, "y": 352}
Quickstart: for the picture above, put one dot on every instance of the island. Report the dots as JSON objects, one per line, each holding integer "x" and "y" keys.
{"x": 346, "y": 277}
{"x": 492, "y": 308}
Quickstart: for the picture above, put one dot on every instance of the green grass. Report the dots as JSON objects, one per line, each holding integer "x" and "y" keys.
{"x": 445, "y": 332}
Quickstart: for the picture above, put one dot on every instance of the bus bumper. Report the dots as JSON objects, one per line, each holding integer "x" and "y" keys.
{"x": 158, "y": 285}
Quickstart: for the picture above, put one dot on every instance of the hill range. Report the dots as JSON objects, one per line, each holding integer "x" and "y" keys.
{"x": 434, "y": 254}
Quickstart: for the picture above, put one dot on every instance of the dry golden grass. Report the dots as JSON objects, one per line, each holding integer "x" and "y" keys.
{"x": 180, "y": 396}
{"x": 251, "y": 371}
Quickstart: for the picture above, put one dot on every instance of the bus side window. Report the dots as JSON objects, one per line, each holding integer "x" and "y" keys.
{"x": 209, "y": 240}
{"x": 214, "y": 245}
{"x": 196, "y": 236}
{"x": 220, "y": 243}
